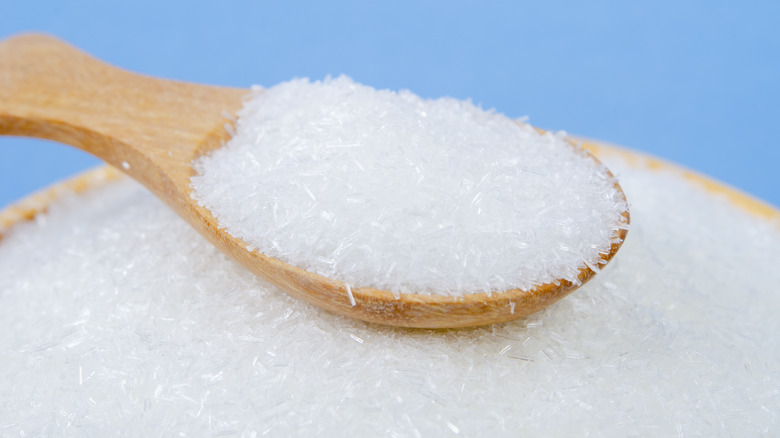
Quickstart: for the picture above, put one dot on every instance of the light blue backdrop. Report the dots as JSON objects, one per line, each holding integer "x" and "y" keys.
{"x": 695, "y": 82}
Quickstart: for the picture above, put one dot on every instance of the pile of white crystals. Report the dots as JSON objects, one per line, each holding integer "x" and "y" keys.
{"x": 388, "y": 190}
{"x": 116, "y": 316}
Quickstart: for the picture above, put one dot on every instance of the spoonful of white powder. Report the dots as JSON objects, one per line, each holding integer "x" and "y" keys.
{"x": 377, "y": 205}
{"x": 391, "y": 191}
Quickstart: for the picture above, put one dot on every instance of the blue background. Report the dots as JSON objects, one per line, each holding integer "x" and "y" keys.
{"x": 695, "y": 82}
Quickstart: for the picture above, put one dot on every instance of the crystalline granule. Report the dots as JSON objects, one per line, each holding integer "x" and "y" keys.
{"x": 384, "y": 189}
{"x": 129, "y": 320}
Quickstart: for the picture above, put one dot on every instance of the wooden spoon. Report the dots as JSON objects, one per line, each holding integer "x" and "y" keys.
{"x": 154, "y": 128}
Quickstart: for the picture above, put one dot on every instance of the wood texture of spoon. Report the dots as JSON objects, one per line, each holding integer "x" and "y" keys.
{"x": 153, "y": 129}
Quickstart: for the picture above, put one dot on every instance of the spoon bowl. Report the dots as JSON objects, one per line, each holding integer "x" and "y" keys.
{"x": 152, "y": 129}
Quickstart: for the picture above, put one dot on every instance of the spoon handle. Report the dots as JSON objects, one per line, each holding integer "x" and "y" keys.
{"x": 49, "y": 89}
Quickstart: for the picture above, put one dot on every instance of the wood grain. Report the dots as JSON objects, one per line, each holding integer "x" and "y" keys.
{"x": 152, "y": 129}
